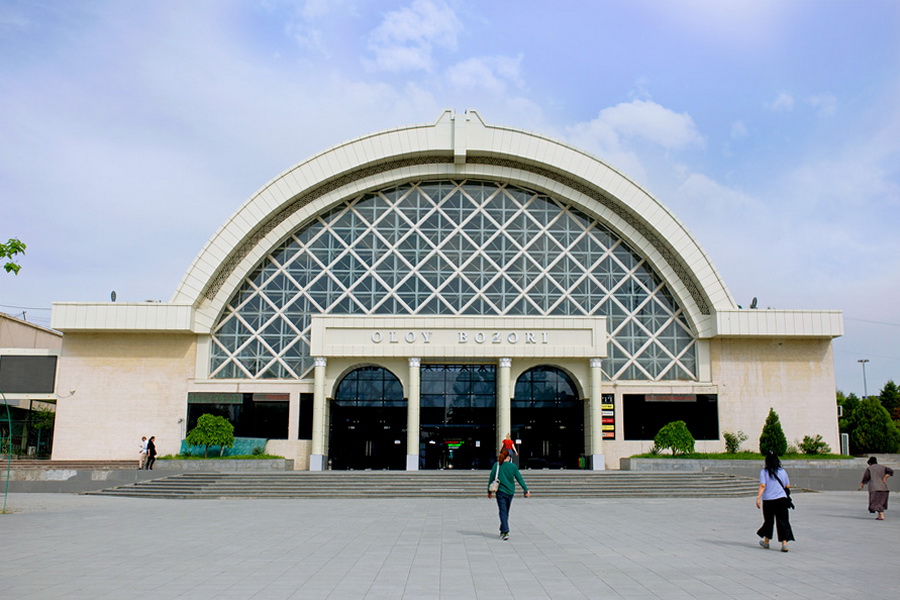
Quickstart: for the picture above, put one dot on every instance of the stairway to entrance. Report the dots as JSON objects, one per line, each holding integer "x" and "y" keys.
{"x": 434, "y": 484}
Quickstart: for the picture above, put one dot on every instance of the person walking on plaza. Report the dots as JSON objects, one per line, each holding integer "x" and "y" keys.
{"x": 876, "y": 477}
{"x": 509, "y": 445}
{"x": 774, "y": 486}
{"x": 151, "y": 452}
{"x": 506, "y": 474}
{"x": 142, "y": 454}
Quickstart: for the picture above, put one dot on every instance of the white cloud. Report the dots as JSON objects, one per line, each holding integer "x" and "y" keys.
{"x": 492, "y": 73}
{"x": 825, "y": 105}
{"x": 639, "y": 120}
{"x": 405, "y": 39}
{"x": 784, "y": 102}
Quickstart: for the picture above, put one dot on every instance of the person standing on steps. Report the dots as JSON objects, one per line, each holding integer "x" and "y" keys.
{"x": 142, "y": 454}
{"x": 151, "y": 452}
{"x": 773, "y": 491}
{"x": 510, "y": 446}
{"x": 506, "y": 474}
{"x": 876, "y": 477}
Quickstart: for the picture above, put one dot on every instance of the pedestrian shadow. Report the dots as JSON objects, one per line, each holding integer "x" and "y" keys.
{"x": 478, "y": 534}
{"x": 735, "y": 543}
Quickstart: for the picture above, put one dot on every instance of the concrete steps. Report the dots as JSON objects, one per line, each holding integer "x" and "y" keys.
{"x": 79, "y": 465}
{"x": 433, "y": 484}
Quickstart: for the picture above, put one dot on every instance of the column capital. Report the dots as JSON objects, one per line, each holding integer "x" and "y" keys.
{"x": 505, "y": 363}
{"x": 415, "y": 363}
{"x": 596, "y": 363}
{"x": 320, "y": 361}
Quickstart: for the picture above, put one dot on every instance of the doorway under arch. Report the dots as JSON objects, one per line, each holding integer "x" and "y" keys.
{"x": 368, "y": 421}
{"x": 548, "y": 416}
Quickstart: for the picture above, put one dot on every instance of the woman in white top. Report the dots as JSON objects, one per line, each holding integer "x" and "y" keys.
{"x": 773, "y": 492}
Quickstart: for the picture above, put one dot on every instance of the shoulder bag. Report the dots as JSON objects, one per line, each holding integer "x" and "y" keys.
{"x": 787, "y": 491}
{"x": 495, "y": 484}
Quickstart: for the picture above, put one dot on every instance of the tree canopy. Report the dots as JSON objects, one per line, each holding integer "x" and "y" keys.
{"x": 211, "y": 431}
{"x": 8, "y": 251}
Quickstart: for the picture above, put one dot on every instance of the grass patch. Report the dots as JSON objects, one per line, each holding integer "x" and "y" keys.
{"x": 237, "y": 457}
{"x": 742, "y": 456}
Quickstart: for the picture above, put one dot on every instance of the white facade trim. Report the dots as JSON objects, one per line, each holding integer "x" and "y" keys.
{"x": 458, "y": 337}
{"x": 111, "y": 316}
{"x": 457, "y": 138}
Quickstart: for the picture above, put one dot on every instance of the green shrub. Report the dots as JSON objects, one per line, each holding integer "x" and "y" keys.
{"x": 259, "y": 450}
{"x": 733, "y": 441}
{"x": 813, "y": 445}
{"x": 676, "y": 437}
{"x": 211, "y": 431}
{"x": 772, "y": 438}
{"x": 873, "y": 429}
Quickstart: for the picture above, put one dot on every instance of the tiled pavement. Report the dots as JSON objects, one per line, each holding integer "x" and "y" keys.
{"x": 67, "y": 546}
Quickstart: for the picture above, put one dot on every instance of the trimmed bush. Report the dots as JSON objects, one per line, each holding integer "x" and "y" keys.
{"x": 733, "y": 441}
{"x": 211, "y": 431}
{"x": 676, "y": 437}
{"x": 772, "y": 438}
{"x": 813, "y": 445}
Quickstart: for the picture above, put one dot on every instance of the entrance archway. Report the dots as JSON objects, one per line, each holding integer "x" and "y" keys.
{"x": 548, "y": 417}
{"x": 458, "y": 414}
{"x": 368, "y": 421}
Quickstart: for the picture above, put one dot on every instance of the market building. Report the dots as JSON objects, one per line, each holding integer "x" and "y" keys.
{"x": 406, "y": 299}
{"x": 28, "y": 360}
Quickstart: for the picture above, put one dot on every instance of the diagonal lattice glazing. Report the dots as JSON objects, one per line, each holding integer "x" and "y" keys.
{"x": 452, "y": 248}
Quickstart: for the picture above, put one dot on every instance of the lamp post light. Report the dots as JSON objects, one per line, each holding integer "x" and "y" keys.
{"x": 863, "y": 362}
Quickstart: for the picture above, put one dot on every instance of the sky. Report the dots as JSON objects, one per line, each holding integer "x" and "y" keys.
{"x": 130, "y": 131}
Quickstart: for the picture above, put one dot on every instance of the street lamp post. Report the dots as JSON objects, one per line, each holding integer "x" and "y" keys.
{"x": 863, "y": 362}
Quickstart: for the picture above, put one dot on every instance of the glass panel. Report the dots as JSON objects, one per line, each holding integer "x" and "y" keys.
{"x": 376, "y": 254}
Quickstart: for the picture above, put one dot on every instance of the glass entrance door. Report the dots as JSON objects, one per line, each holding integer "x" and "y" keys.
{"x": 458, "y": 416}
{"x": 549, "y": 419}
{"x": 368, "y": 422}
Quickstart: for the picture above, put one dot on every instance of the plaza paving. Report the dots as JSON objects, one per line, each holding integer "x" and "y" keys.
{"x": 68, "y": 546}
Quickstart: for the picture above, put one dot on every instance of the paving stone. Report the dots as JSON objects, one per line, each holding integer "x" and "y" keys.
{"x": 72, "y": 546}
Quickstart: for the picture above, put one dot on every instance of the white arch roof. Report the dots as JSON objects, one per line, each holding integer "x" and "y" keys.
{"x": 457, "y": 146}
{"x": 453, "y": 147}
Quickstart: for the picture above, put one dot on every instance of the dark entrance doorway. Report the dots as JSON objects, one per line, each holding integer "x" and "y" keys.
{"x": 548, "y": 416}
{"x": 368, "y": 421}
{"x": 457, "y": 416}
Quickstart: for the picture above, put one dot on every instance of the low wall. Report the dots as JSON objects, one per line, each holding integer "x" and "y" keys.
{"x": 77, "y": 481}
{"x": 819, "y": 475}
{"x": 224, "y": 465}
{"x": 74, "y": 481}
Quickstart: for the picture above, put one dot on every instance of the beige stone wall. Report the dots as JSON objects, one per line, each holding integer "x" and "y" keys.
{"x": 793, "y": 376}
{"x": 126, "y": 386}
{"x": 15, "y": 333}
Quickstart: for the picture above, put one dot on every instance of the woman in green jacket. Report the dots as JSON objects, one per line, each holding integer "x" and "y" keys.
{"x": 506, "y": 473}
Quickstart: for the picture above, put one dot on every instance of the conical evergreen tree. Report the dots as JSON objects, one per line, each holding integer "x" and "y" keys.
{"x": 890, "y": 398}
{"x": 873, "y": 430}
{"x": 772, "y": 438}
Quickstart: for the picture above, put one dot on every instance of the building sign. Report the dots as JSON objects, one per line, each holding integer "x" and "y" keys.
{"x": 458, "y": 337}
{"x": 271, "y": 397}
{"x": 214, "y": 398}
{"x": 608, "y": 416}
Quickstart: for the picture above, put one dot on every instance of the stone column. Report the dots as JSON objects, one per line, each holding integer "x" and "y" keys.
{"x": 412, "y": 415}
{"x": 317, "y": 454}
{"x": 597, "y": 459}
{"x": 504, "y": 417}
{"x": 294, "y": 416}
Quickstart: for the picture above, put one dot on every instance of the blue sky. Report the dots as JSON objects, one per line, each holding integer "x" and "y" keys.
{"x": 129, "y": 131}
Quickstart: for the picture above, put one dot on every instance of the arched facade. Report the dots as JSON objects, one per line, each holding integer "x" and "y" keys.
{"x": 454, "y": 247}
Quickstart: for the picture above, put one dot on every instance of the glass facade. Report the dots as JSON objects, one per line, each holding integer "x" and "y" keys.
{"x": 452, "y": 248}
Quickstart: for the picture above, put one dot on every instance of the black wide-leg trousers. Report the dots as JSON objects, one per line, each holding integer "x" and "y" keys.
{"x": 775, "y": 512}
